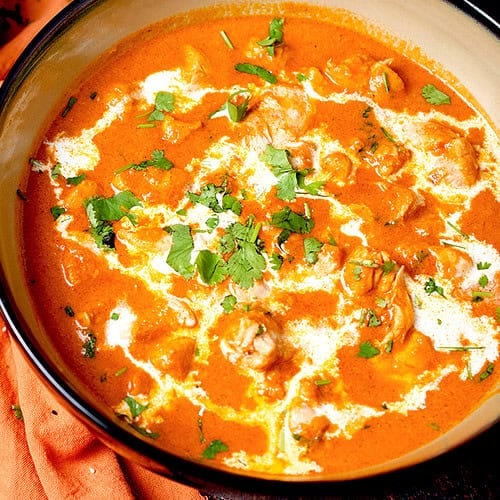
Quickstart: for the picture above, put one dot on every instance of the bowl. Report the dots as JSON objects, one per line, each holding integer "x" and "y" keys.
{"x": 440, "y": 35}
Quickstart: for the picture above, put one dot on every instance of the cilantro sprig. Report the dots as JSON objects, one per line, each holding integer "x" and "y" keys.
{"x": 157, "y": 160}
{"x": 252, "y": 69}
{"x": 290, "y": 180}
{"x": 246, "y": 262}
{"x": 434, "y": 96}
{"x": 102, "y": 212}
{"x": 233, "y": 109}
{"x": 275, "y": 37}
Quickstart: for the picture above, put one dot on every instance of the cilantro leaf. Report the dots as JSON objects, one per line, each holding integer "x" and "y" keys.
{"x": 367, "y": 350}
{"x": 102, "y": 211}
{"x": 89, "y": 346}
{"x": 215, "y": 447}
{"x": 246, "y": 262}
{"x": 289, "y": 179}
{"x": 228, "y": 303}
{"x": 275, "y": 37}
{"x": 312, "y": 247}
{"x": 430, "y": 286}
{"x": 157, "y": 160}
{"x": 234, "y": 111}
{"x": 434, "y": 96}
{"x": 259, "y": 71}
{"x": 211, "y": 267}
{"x": 179, "y": 256}
{"x": 216, "y": 198}
{"x": 164, "y": 103}
{"x": 291, "y": 221}
{"x": 135, "y": 407}
{"x": 57, "y": 211}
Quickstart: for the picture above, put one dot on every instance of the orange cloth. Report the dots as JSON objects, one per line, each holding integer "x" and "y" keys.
{"x": 50, "y": 454}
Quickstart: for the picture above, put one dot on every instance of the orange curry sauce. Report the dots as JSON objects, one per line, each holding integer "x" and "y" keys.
{"x": 345, "y": 310}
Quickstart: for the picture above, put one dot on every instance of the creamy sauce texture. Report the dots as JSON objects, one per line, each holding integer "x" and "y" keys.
{"x": 270, "y": 242}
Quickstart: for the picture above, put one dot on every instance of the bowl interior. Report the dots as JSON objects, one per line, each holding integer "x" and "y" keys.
{"x": 79, "y": 35}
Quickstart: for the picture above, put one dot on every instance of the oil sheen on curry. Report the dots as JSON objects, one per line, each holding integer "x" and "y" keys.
{"x": 270, "y": 242}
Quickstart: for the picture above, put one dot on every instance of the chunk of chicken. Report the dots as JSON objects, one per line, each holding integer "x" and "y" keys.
{"x": 362, "y": 73}
{"x": 338, "y": 167}
{"x": 368, "y": 270}
{"x": 253, "y": 341}
{"x": 174, "y": 356}
{"x": 388, "y": 157}
{"x": 455, "y": 160}
{"x": 282, "y": 115}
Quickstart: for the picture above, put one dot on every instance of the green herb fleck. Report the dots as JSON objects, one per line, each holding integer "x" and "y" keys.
{"x": 275, "y": 37}
{"x": 434, "y": 96}
{"x": 259, "y": 71}
{"x": 215, "y": 447}
{"x": 367, "y": 350}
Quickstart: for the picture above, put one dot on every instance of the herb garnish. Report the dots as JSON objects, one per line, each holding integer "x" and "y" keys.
{"x": 246, "y": 262}
{"x": 312, "y": 247}
{"x": 226, "y": 39}
{"x": 69, "y": 105}
{"x": 164, "y": 103}
{"x": 57, "y": 211}
{"x": 367, "y": 350}
{"x": 89, "y": 346}
{"x": 215, "y": 447}
{"x": 275, "y": 37}
{"x": 289, "y": 179}
{"x": 235, "y": 112}
{"x": 259, "y": 71}
{"x": 434, "y": 96}
{"x": 211, "y": 267}
{"x": 217, "y": 198}
{"x": 102, "y": 211}
{"x": 179, "y": 256}
{"x": 135, "y": 407}
{"x": 430, "y": 286}
{"x": 157, "y": 160}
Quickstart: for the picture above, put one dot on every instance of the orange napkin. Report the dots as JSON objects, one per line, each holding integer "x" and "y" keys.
{"x": 47, "y": 453}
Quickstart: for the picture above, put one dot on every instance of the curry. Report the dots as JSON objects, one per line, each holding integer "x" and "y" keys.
{"x": 268, "y": 241}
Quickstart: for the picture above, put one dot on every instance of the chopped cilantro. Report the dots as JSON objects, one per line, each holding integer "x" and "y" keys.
{"x": 312, "y": 247}
{"x": 291, "y": 221}
{"x": 77, "y": 179}
{"x": 135, "y": 407}
{"x": 144, "y": 432}
{"x": 115, "y": 316}
{"x": 69, "y": 311}
{"x": 321, "y": 382}
{"x": 228, "y": 303}
{"x": 217, "y": 198}
{"x": 246, "y": 262}
{"x": 430, "y": 286}
{"x": 259, "y": 71}
{"x": 458, "y": 230}
{"x": 215, "y": 447}
{"x": 483, "y": 280}
{"x": 275, "y": 37}
{"x": 57, "y": 212}
{"x": 164, "y": 103}
{"x": 211, "y": 267}
{"x": 89, "y": 346}
{"x": 179, "y": 256}
{"x": 371, "y": 318}
{"x": 157, "y": 160}
{"x": 69, "y": 106}
{"x": 289, "y": 179}
{"x": 367, "y": 350}
{"x": 16, "y": 409}
{"x": 482, "y": 266}
{"x": 102, "y": 211}
{"x": 487, "y": 372}
{"x": 234, "y": 111}
{"x": 301, "y": 77}
{"x": 56, "y": 171}
{"x": 434, "y": 96}
{"x": 276, "y": 261}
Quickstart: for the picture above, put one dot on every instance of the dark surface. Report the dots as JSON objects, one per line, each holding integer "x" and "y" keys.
{"x": 468, "y": 472}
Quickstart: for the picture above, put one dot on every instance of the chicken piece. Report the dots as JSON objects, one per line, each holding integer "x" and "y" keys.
{"x": 352, "y": 74}
{"x": 254, "y": 340}
{"x": 384, "y": 81}
{"x": 455, "y": 162}
{"x": 363, "y": 270}
{"x": 175, "y": 131}
{"x": 197, "y": 66}
{"x": 368, "y": 270}
{"x": 306, "y": 424}
{"x": 388, "y": 157}
{"x": 452, "y": 262}
{"x": 338, "y": 167}
{"x": 400, "y": 306}
{"x": 282, "y": 115}
{"x": 174, "y": 356}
